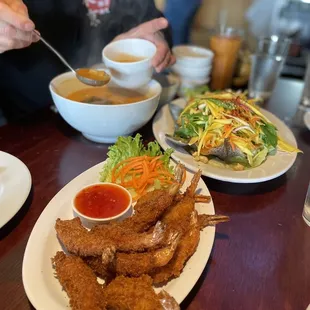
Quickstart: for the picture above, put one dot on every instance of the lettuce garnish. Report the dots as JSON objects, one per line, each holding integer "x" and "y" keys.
{"x": 126, "y": 147}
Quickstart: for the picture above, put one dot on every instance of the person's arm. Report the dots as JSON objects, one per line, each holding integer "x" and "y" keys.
{"x": 151, "y": 13}
{"x": 15, "y": 26}
{"x": 155, "y": 30}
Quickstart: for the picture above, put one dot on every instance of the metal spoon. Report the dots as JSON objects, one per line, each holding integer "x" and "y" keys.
{"x": 87, "y": 76}
{"x": 175, "y": 140}
{"x": 175, "y": 111}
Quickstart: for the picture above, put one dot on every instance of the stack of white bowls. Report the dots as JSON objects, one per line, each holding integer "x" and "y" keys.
{"x": 193, "y": 65}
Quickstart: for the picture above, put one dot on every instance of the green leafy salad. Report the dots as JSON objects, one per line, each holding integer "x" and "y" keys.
{"x": 226, "y": 128}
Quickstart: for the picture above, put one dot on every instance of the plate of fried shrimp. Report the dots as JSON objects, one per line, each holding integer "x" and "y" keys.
{"x": 150, "y": 260}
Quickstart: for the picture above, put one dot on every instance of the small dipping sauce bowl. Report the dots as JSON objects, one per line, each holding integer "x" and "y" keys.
{"x": 102, "y": 203}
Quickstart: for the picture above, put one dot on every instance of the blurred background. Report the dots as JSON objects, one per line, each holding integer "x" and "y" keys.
{"x": 256, "y": 17}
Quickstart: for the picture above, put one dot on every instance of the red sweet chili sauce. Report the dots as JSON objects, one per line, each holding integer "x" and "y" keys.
{"x": 102, "y": 200}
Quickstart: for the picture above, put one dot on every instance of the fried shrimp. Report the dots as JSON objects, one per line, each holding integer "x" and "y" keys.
{"x": 205, "y": 220}
{"x": 202, "y": 198}
{"x": 177, "y": 217}
{"x": 103, "y": 266}
{"x": 79, "y": 281}
{"x": 186, "y": 248}
{"x": 167, "y": 301}
{"x": 121, "y": 293}
{"x": 78, "y": 240}
{"x": 138, "y": 294}
{"x": 131, "y": 293}
{"x": 136, "y": 264}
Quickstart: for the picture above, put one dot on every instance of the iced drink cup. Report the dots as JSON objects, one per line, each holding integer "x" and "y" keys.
{"x": 225, "y": 46}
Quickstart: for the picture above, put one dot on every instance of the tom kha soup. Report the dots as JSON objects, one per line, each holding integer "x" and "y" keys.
{"x": 93, "y": 74}
{"x": 122, "y": 57}
{"x": 107, "y": 95}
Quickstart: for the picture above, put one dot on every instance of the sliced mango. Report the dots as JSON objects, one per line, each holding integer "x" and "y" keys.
{"x": 284, "y": 146}
{"x": 260, "y": 157}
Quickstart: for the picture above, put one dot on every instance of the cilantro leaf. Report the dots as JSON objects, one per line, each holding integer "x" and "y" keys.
{"x": 190, "y": 124}
{"x": 270, "y": 136}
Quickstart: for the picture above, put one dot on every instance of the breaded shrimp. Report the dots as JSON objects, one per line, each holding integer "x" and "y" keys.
{"x": 103, "y": 266}
{"x": 184, "y": 218}
{"x": 137, "y": 294}
{"x": 167, "y": 301}
{"x": 132, "y": 264}
{"x": 78, "y": 240}
{"x": 79, "y": 282}
{"x": 137, "y": 264}
{"x": 186, "y": 248}
{"x": 131, "y": 293}
{"x": 205, "y": 220}
{"x": 177, "y": 215}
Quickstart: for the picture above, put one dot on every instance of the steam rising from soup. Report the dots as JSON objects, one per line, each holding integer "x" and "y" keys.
{"x": 106, "y": 95}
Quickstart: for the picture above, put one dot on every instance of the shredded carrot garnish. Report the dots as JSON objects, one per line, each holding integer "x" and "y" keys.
{"x": 140, "y": 174}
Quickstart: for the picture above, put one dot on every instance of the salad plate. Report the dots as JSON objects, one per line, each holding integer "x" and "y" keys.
{"x": 43, "y": 289}
{"x": 14, "y": 176}
{"x": 273, "y": 167}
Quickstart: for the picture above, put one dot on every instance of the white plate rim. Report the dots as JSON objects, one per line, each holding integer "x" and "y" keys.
{"x": 31, "y": 256}
{"x": 194, "y": 166}
{"x": 22, "y": 178}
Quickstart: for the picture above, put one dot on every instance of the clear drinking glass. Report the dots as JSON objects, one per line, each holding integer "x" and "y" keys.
{"x": 305, "y": 98}
{"x": 304, "y": 105}
{"x": 267, "y": 63}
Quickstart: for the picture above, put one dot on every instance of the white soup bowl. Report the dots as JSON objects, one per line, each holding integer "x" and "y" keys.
{"x": 193, "y": 56}
{"x": 103, "y": 123}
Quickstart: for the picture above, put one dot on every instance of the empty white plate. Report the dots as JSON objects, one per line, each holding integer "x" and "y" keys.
{"x": 15, "y": 185}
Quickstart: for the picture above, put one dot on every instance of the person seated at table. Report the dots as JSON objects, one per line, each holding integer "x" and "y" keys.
{"x": 180, "y": 14}
{"x": 78, "y": 29}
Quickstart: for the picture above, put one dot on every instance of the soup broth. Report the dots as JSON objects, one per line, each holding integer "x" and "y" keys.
{"x": 93, "y": 74}
{"x": 106, "y": 95}
{"x": 127, "y": 58}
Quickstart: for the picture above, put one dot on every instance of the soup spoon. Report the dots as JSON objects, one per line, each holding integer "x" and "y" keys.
{"x": 87, "y": 76}
{"x": 175, "y": 140}
{"x": 175, "y": 112}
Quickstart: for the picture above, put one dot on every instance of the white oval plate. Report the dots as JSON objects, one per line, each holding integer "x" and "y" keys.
{"x": 15, "y": 185}
{"x": 44, "y": 290}
{"x": 273, "y": 167}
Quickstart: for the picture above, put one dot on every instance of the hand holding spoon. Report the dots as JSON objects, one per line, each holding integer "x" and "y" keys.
{"x": 87, "y": 76}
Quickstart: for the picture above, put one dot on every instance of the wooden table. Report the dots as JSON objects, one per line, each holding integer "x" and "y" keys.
{"x": 260, "y": 260}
